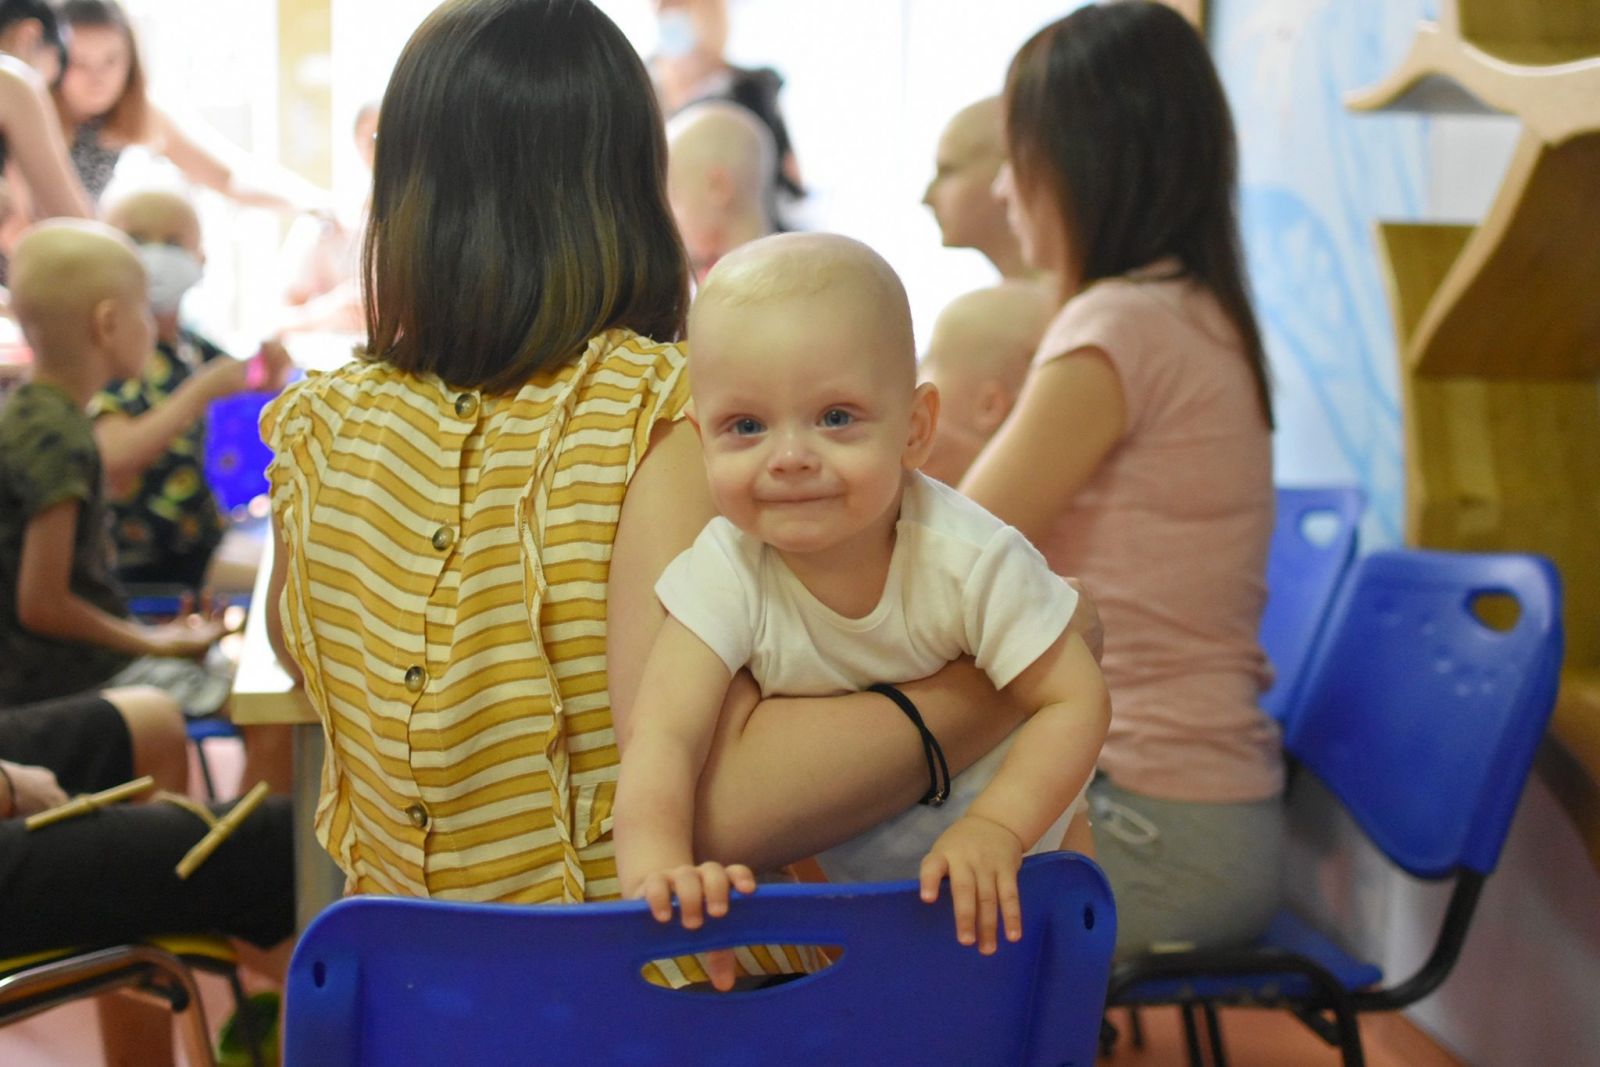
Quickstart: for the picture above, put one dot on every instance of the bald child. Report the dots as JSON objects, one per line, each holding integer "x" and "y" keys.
{"x": 834, "y": 567}
{"x": 79, "y": 293}
{"x": 978, "y": 357}
{"x": 720, "y": 165}
{"x": 968, "y": 158}
{"x": 150, "y": 426}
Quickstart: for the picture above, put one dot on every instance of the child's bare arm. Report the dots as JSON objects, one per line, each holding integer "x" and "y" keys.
{"x": 129, "y": 445}
{"x": 1053, "y": 755}
{"x": 46, "y": 604}
{"x": 674, "y": 719}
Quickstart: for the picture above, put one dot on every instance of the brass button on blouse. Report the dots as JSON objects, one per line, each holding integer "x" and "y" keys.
{"x": 418, "y": 816}
{"x": 443, "y": 538}
{"x": 466, "y": 404}
{"x": 416, "y": 678}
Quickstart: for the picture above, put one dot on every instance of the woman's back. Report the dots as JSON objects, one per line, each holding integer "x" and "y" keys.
{"x": 1170, "y": 536}
{"x": 472, "y": 754}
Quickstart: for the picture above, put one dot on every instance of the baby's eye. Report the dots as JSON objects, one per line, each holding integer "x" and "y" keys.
{"x": 746, "y": 426}
{"x": 835, "y": 418}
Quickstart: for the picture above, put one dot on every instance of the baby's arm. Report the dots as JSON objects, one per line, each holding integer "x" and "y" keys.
{"x": 46, "y": 604}
{"x": 664, "y": 746}
{"x": 1052, "y": 757}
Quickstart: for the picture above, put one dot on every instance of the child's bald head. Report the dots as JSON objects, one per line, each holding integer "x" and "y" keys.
{"x": 835, "y": 276}
{"x": 79, "y": 293}
{"x": 157, "y": 217}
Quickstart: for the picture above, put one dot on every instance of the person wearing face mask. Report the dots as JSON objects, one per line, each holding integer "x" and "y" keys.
{"x": 689, "y": 67}
{"x": 150, "y": 428}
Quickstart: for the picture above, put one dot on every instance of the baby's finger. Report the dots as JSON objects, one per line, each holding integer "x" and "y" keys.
{"x": 1011, "y": 906}
{"x": 988, "y": 905}
{"x": 686, "y": 883}
{"x": 742, "y": 877}
{"x": 715, "y": 882}
{"x": 722, "y": 969}
{"x": 963, "y": 895}
{"x": 934, "y": 867}
{"x": 657, "y": 893}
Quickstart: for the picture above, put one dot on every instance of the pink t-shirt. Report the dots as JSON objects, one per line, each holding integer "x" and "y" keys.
{"x": 1170, "y": 538}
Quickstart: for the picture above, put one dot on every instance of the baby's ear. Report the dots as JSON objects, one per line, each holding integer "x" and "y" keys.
{"x": 924, "y": 421}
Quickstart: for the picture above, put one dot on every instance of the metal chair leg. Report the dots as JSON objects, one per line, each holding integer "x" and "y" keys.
{"x": 1191, "y": 1034}
{"x": 1135, "y": 1027}
{"x": 1349, "y": 1029}
{"x": 1219, "y": 1055}
{"x": 252, "y": 1028}
{"x": 205, "y": 770}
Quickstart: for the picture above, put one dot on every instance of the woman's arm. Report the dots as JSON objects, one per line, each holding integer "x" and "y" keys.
{"x": 789, "y": 777}
{"x": 275, "y": 187}
{"x": 1068, "y": 417}
{"x": 33, "y": 137}
{"x": 275, "y": 583}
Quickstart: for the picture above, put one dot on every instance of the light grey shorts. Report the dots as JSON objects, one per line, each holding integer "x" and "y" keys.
{"x": 1187, "y": 874}
{"x": 199, "y": 689}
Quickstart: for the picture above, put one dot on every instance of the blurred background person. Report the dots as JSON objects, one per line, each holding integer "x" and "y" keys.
{"x": 978, "y": 357}
{"x": 689, "y": 66}
{"x": 320, "y": 258}
{"x": 968, "y": 159}
{"x": 104, "y": 108}
{"x": 720, "y": 163}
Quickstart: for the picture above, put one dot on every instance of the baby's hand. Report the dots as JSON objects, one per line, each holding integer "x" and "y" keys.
{"x": 701, "y": 891}
{"x": 981, "y": 858}
{"x": 707, "y": 885}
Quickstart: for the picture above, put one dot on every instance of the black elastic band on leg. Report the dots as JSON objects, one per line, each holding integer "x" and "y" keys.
{"x": 938, "y": 770}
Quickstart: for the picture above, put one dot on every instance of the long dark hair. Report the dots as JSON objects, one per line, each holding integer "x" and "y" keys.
{"x": 519, "y": 196}
{"x": 1117, "y": 111}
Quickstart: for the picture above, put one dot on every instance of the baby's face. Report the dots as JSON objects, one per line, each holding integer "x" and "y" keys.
{"x": 805, "y": 425}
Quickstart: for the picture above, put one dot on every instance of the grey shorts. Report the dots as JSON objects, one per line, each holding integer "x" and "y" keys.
{"x": 1187, "y": 874}
{"x": 200, "y": 690}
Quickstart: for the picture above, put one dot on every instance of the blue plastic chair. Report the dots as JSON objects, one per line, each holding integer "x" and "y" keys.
{"x": 395, "y": 982}
{"x": 1423, "y": 721}
{"x": 1303, "y": 574}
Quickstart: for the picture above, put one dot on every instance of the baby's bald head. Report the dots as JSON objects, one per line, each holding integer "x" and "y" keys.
{"x": 63, "y": 267}
{"x": 840, "y": 277}
{"x": 989, "y": 334}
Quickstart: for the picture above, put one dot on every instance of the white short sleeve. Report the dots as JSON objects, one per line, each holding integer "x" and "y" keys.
{"x": 712, "y": 588}
{"x": 1013, "y": 606}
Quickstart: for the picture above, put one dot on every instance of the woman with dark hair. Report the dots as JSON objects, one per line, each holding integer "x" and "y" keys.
{"x": 104, "y": 108}
{"x": 469, "y": 524}
{"x": 1148, "y": 406}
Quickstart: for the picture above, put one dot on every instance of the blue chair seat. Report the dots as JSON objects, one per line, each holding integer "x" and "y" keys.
{"x": 1289, "y": 935}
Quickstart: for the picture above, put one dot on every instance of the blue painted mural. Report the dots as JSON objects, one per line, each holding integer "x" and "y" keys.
{"x": 1315, "y": 177}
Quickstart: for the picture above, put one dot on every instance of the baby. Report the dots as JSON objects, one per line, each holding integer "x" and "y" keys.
{"x": 835, "y": 566}
{"x": 982, "y": 344}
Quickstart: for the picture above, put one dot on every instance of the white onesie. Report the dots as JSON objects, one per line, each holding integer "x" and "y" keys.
{"x": 961, "y": 582}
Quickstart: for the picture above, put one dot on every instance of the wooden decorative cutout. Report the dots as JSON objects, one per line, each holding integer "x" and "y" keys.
{"x": 1499, "y": 331}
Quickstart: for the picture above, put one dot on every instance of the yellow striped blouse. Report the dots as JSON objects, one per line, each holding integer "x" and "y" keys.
{"x": 446, "y": 600}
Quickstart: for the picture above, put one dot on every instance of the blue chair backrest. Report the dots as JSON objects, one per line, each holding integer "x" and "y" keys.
{"x": 1313, "y": 542}
{"x": 390, "y": 982}
{"x": 1421, "y": 718}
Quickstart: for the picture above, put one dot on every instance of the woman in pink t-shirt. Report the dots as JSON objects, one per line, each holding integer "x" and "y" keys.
{"x": 1139, "y": 456}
